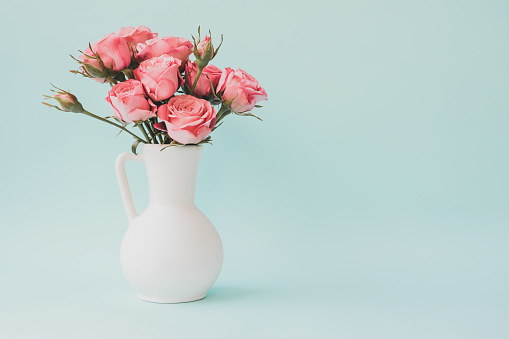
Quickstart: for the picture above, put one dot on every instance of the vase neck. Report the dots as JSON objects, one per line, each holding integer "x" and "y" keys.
{"x": 171, "y": 173}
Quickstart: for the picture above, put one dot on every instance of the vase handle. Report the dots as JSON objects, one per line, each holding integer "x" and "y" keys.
{"x": 125, "y": 190}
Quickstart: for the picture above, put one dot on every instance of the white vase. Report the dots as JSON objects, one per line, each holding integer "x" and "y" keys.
{"x": 171, "y": 252}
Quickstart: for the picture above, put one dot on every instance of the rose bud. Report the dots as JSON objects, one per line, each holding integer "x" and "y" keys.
{"x": 201, "y": 46}
{"x": 135, "y": 36}
{"x": 240, "y": 90}
{"x": 113, "y": 52}
{"x": 204, "y": 51}
{"x": 202, "y": 88}
{"x": 68, "y": 102}
{"x": 179, "y": 48}
{"x": 160, "y": 76}
{"x": 186, "y": 119}
{"x": 129, "y": 103}
{"x": 98, "y": 74}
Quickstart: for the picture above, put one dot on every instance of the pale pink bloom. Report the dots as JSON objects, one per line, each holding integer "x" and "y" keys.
{"x": 186, "y": 119}
{"x": 203, "y": 86}
{"x": 242, "y": 88}
{"x": 113, "y": 51}
{"x": 137, "y": 35}
{"x": 129, "y": 102}
{"x": 179, "y": 48}
{"x": 160, "y": 76}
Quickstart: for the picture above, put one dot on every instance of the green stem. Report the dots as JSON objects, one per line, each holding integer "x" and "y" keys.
{"x": 196, "y": 79}
{"x": 148, "y": 125}
{"x": 114, "y": 124}
{"x": 111, "y": 80}
{"x": 160, "y": 137}
{"x": 224, "y": 111}
{"x": 154, "y": 130}
{"x": 157, "y": 132}
{"x": 140, "y": 125}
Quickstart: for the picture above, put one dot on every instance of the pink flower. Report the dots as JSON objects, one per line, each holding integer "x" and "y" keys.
{"x": 135, "y": 36}
{"x": 129, "y": 103}
{"x": 201, "y": 46}
{"x": 242, "y": 88}
{"x": 160, "y": 76}
{"x": 113, "y": 51}
{"x": 179, "y": 48}
{"x": 186, "y": 119}
{"x": 203, "y": 86}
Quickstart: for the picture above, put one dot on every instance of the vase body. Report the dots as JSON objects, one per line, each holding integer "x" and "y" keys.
{"x": 171, "y": 252}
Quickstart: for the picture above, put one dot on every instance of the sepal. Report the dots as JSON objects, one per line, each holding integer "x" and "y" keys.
{"x": 91, "y": 71}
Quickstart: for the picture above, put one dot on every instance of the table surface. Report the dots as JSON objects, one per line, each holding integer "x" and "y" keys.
{"x": 344, "y": 284}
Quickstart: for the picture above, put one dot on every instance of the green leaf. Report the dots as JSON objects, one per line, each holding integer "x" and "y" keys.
{"x": 207, "y": 140}
{"x": 248, "y": 114}
{"x": 217, "y": 49}
{"x": 212, "y": 90}
{"x": 228, "y": 103}
{"x": 135, "y": 145}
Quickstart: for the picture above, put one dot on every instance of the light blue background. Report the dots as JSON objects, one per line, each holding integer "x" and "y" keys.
{"x": 371, "y": 202}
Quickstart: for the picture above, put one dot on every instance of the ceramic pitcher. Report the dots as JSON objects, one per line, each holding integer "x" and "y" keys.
{"x": 171, "y": 252}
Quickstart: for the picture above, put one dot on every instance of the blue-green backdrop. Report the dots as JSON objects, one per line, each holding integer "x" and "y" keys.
{"x": 371, "y": 202}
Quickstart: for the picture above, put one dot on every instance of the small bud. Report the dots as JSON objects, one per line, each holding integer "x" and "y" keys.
{"x": 94, "y": 72}
{"x": 206, "y": 56}
{"x": 203, "y": 44}
{"x": 68, "y": 102}
{"x": 204, "y": 51}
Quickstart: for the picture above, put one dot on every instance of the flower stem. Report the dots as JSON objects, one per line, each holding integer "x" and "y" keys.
{"x": 148, "y": 125}
{"x": 224, "y": 111}
{"x": 111, "y": 80}
{"x": 196, "y": 79}
{"x": 114, "y": 124}
{"x": 140, "y": 126}
{"x": 154, "y": 130}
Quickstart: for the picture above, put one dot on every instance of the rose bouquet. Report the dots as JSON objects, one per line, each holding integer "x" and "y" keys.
{"x": 157, "y": 89}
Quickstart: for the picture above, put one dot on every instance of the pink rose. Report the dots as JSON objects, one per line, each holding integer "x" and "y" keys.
{"x": 160, "y": 76}
{"x": 113, "y": 51}
{"x": 179, "y": 48}
{"x": 129, "y": 103}
{"x": 202, "y": 88}
{"x": 201, "y": 46}
{"x": 242, "y": 88}
{"x": 135, "y": 36}
{"x": 186, "y": 119}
